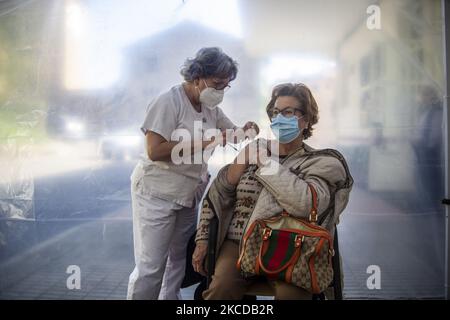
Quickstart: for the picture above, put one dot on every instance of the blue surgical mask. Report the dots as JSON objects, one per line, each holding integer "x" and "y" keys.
{"x": 285, "y": 129}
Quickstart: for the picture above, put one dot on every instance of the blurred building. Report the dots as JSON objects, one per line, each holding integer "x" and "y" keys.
{"x": 153, "y": 65}
{"x": 378, "y": 80}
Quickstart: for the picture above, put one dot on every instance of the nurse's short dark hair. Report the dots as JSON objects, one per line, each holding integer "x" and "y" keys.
{"x": 208, "y": 63}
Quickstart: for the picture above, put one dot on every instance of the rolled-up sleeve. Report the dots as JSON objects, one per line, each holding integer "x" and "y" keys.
{"x": 161, "y": 118}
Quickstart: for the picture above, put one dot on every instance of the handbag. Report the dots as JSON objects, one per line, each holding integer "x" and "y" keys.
{"x": 290, "y": 249}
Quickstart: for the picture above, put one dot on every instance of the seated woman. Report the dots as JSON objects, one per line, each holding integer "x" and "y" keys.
{"x": 242, "y": 192}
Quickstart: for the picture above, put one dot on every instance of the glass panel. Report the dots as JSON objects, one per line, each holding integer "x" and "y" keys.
{"x": 75, "y": 81}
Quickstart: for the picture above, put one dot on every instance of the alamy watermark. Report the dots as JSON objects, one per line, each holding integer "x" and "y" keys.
{"x": 373, "y": 21}
{"x": 374, "y": 280}
{"x": 190, "y": 148}
{"x": 74, "y": 280}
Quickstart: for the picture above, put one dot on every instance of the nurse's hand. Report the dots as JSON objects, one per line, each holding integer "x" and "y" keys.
{"x": 198, "y": 258}
{"x": 217, "y": 140}
{"x": 251, "y": 129}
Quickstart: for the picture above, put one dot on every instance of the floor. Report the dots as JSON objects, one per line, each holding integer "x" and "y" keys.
{"x": 408, "y": 249}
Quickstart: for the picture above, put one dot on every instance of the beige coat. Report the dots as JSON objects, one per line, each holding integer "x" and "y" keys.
{"x": 325, "y": 169}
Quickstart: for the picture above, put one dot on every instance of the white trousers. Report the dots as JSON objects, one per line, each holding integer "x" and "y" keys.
{"x": 161, "y": 231}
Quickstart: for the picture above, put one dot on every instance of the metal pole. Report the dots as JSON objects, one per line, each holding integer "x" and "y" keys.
{"x": 446, "y": 40}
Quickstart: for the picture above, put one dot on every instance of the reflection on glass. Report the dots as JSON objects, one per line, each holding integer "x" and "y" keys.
{"x": 77, "y": 77}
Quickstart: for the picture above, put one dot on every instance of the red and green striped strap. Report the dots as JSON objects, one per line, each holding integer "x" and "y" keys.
{"x": 280, "y": 249}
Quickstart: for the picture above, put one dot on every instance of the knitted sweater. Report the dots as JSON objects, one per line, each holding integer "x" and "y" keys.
{"x": 247, "y": 193}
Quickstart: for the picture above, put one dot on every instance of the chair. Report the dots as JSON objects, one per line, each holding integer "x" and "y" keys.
{"x": 260, "y": 288}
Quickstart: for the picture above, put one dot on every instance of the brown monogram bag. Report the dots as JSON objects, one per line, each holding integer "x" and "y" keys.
{"x": 289, "y": 249}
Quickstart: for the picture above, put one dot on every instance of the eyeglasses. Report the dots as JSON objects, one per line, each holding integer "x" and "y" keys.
{"x": 219, "y": 86}
{"x": 286, "y": 112}
{"x": 226, "y": 88}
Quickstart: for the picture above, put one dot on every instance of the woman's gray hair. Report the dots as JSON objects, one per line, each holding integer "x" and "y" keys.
{"x": 209, "y": 62}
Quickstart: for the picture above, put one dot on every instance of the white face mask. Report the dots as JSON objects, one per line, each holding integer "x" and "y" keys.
{"x": 211, "y": 97}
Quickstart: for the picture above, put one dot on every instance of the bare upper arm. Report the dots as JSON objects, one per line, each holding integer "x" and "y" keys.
{"x": 153, "y": 140}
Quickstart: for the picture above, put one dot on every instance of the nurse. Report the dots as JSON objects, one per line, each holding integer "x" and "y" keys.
{"x": 164, "y": 194}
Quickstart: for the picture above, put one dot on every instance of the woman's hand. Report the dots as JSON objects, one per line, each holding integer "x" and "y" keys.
{"x": 198, "y": 257}
{"x": 263, "y": 152}
{"x": 256, "y": 152}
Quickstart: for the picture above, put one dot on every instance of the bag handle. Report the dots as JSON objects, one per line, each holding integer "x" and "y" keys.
{"x": 313, "y": 212}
